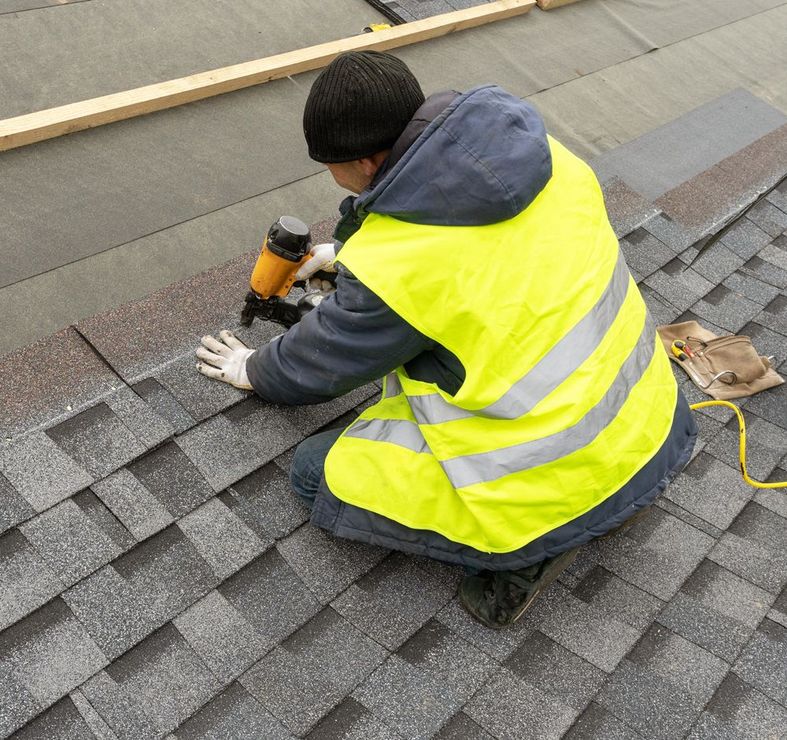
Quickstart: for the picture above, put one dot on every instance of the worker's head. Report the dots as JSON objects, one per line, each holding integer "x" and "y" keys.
{"x": 357, "y": 108}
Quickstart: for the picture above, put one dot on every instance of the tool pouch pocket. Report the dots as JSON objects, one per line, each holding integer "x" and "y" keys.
{"x": 735, "y": 356}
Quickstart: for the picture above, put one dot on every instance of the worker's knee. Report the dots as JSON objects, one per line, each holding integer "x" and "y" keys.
{"x": 308, "y": 464}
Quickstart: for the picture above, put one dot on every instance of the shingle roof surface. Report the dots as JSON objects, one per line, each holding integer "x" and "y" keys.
{"x": 158, "y": 576}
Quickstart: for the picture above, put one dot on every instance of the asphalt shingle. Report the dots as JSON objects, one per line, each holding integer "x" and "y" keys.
{"x": 312, "y": 670}
{"x": 13, "y": 508}
{"x": 221, "y": 538}
{"x": 762, "y": 662}
{"x": 97, "y": 440}
{"x": 164, "y": 404}
{"x": 224, "y": 639}
{"x": 266, "y": 502}
{"x": 351, "y": 721}
{"x": 374, "y": 602}
{"x": 50, "y": 653}
{"x": 644, "y": 252}
{"x": 133, "y": 504}
{"x": 169, "y": 475}
{"x": 41, "y": 471}
{"x": 597, "y": 722}
{"x": 326, "y": 564}
{"x": 752, "y": 288}
{"x": 26, "y": 581}
{"x": 425, "y": 682}
{"x": 63, "y": 721}
{"x": 768, "y": 217}
{"x": 17, "y": 705}
{"x": 746, "y": 238}
{"x": 678, "y": 284}
{"x": 162, "y": 678}
{"x": 511, "y": 709}
{"x": 145, "y": 423}
{"x": 750, "y": 560}
{"x": 232, "y": 714}
{"x": 271, "y": 597}
{"x": 627, "y": 209}
{"x": 766, "y": 444}
{"x": 715, "y": 263}
{"x": 765, "y": 271}
{"x": 461, "y": 727}
{"x": 71, "y": 543}
{"x": 727, "y": 309}
{"x": 656, "y": 554}
{"x": 710, "y": 489}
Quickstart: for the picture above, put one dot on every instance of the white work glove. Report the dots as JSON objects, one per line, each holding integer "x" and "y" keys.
{"x": 322, "y": 257}
{"x": 225, "y": 359}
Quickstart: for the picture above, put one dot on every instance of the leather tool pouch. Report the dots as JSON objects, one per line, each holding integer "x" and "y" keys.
{"x": 723, "y": 367}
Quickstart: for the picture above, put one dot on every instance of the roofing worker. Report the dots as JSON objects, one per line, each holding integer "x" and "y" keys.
{"x": 527, "y": 406}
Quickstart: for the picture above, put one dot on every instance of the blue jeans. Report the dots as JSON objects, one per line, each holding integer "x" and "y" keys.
{"x": 308, "y": 465}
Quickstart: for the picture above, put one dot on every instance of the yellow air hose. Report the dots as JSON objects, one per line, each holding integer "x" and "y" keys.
{"x": 741, "y": 442}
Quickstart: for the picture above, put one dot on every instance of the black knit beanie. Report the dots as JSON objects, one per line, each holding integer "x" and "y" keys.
{"x": 359, "y": 105}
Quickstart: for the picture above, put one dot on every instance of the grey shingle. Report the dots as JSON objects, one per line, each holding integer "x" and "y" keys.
{"x": 763, "y": 660}
{"x": 114, "y": 611}
{"x": 50, "y": 652}
{"x": 760, "y": 525}
{"x": 774, "y": 498}
{"x": 230, "y": 446}
{"x": 768, "y": 217}
{"x": 269, "y": 595}
{"x": 13, "y": 508}
{"x": 645, "y": 700}
{"x": 597, "y": 722}
{"x": 17, "y": 705}
{"x": 395, "y": 598}
{"x": 586, "y": 630}
{"x": 617, "y": 598}
{"x": 553, "y": 669}
{"x": 715, "y": 263}
{"x": 221, "y": 636}
{"x": 750, "y": 560}
{"x": 669, "y": 232}
{"x": 682, "y": 663}
{"x": 99, "y": 728}
{"x": 740, "y": 711}
{"x": 704, "y": 626}
{"x": 136, "y": 507}
{"x": 308, "y": 419}
{"x": 327, "y": 565}
{"x": 672, "y": 508}
{"x": 164, "y": 404}
{"x": 351, "y": 721}
{"x": 232, "y": 714}
{"x": 201, "y": 397}
{"x": 103, "y": 518}
{"x": 749, "y": 286}
{"x": 97, "y": 440}
{"x": 698, "y": 489}
{"x": 680, "y": 285}
{"x": 662, "y": 311}
{"x": 746, "y": 238}
{"x": 425, "y": 682}
{"x": 169, "y": 475}
{"x": 510, "y": 708}
{"x": 161, "y": 677}
{"x": 145, "y": 423}
{"x": 41, "y": 471}
{"x": 775, "y": 254}
{"x": 765, "y": 271}
{"x": 62, "y": 721}
{"x": 168, "y": 571}
{"x": 461, "y": 727}
{"x": 770, "y": 405}
{"x": 766, "y": 341}
{"x": 313, "y": 670}
{"x": 266, "y": 502}
{"x": 222, "y": 539}
{"x": 726, "y": 308}
{"x": 775, "y": 316}
{"x": 644, "y": 252}
{"x": 70, "y": 541}
{"x": 765, "y": 446}
{"x": 26, "y": 581}
{"x": 656, "y": 554}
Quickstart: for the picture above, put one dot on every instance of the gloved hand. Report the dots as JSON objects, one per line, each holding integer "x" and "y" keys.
{"x": 322, "y": 257}
{"x": 225, "y": 359}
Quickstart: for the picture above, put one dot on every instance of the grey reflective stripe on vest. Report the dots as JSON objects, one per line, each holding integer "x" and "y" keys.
{"x": 396, "y": 431}
{"x": 484, "y": 467}
{"x": 392, "y": 385}
{"x": 488, "y": 466}
{"x": 555, "y": 367}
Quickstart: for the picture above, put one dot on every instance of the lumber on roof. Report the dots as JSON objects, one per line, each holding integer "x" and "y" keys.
{"x": 65, "y": 119}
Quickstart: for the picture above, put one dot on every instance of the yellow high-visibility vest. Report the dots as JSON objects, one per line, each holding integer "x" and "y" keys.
{"x": 567, "y": 393}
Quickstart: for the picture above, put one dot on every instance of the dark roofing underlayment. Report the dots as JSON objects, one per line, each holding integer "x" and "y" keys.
{"x": 158, "y": 576}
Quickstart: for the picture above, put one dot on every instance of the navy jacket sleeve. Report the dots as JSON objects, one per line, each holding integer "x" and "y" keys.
{"x": 350, "y": 339}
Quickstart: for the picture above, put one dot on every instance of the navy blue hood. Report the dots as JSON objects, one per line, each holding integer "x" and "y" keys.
{"x": 483, "y": 159}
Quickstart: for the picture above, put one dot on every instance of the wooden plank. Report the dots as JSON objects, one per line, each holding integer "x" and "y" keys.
{"x": 66, "y": 119}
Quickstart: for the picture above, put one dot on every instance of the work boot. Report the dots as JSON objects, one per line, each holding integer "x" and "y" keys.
{"x": 499, "y": 598}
